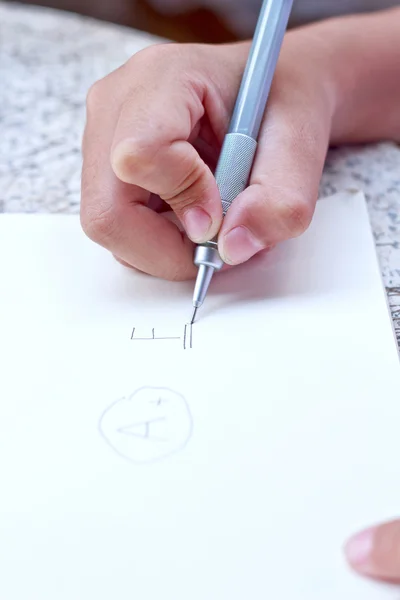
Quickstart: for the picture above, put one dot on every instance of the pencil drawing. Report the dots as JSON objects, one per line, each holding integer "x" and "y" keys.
{"x": 142, "y": 429}
{"x": 187, "y": 336}
{"x": 152, "y": 337}
{"x": 147, "y": 426}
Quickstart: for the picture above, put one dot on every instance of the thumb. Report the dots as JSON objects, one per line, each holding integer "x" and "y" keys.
{"x": 151, "y": 147}
{"x": 375, "y": 552}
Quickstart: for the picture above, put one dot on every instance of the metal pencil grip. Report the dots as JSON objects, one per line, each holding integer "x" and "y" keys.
{"x": 234, "y": 166}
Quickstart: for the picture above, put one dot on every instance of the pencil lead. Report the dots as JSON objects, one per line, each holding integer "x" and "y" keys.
{"x": 194, "y": 315}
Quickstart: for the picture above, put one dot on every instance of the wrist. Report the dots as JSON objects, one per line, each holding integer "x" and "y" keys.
{"x": 361, "y": 59}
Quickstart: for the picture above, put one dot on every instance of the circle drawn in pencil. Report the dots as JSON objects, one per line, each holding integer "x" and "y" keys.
{"x": 149, "y": 425}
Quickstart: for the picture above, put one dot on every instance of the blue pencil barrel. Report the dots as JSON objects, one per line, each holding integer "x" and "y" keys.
{"x": 260, "y": 68}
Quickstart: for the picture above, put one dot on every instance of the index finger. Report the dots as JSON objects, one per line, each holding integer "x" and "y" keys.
{"x": 115, "y": 214}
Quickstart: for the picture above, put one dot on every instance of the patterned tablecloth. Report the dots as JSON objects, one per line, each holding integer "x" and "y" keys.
{"x": 49, "y": 58}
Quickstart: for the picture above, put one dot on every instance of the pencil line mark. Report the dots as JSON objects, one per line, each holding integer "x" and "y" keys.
{"x": 154, "y": 339}
{"x": 187, "y": 336}
{"x": 184, "y": 337}
{"x": 159, "y": 401}
{"x": 145, "y": 434}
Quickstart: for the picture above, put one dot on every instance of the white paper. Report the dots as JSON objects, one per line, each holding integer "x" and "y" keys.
{"x": 232, "y": 470}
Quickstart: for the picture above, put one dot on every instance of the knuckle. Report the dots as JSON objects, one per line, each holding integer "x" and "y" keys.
{"x": 134, "y": 161}
{"x": 189, "y": 189}
{"x": 99, "y": 223}
{"x": 157, "y": 54}
{"x": 193, "y": 195}
{"x": 107, "y": 91}
{"x": 94, "y": 95}
{"x": 290, "y": 209}
{"x": 295, "y": 214}
{"x": 144, "y": 55}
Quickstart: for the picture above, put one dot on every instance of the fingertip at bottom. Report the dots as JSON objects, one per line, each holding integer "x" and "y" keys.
{"x": 359, "y": 548}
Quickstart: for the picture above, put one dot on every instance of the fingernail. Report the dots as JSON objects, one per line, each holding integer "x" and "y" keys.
{"x": 239, "y": 245}
{"x": 359, "y": 548}
{"x": 197, "y": 224}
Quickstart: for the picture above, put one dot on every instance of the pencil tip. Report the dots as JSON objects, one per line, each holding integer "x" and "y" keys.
{"x": 193, "y": 316}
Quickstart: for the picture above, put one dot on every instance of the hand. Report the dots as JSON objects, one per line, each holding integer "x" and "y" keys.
{"x": 376, "y": 552}
{"x": 155, "y": 127}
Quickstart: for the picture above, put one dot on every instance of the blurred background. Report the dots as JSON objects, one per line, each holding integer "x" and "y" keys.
{"x": 180, "y": 20}
{"x": 211, "y": 21}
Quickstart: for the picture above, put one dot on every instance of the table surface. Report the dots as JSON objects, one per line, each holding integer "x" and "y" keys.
{"x": 50, "y": 58}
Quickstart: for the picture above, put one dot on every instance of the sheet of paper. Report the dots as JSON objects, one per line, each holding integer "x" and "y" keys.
{"x": 230, "y": 462}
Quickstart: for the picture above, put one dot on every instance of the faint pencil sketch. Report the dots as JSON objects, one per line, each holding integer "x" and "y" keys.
{"x": 187, "y": 336}
{"x": 149, "y": 425}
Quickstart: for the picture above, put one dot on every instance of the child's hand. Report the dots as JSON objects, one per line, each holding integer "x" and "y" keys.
{"x": 155, "y": 128}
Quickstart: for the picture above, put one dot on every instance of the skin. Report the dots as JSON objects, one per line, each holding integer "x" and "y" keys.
{"x": 153, "y": 134}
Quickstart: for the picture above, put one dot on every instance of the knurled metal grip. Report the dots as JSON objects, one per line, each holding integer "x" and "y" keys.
{"x": 232, "y": 175}
{"x": 234, "y": 166}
